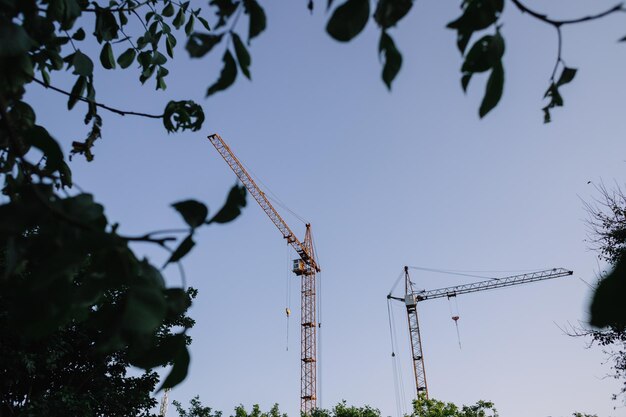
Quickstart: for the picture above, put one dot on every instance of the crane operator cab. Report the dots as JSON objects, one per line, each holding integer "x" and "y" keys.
{"x": 410, "y": 300}
{"x": 301, "y": 268}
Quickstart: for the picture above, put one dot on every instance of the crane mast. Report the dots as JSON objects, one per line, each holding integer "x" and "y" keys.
{"x": 413, "y": 297}
{"x": 305, "y": 267}
{"x": 164, "y": 403}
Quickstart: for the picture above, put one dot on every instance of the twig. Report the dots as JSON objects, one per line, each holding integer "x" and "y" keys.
{"x": 103, "y": 106}
{"x": 559, "y": 58}
{"x": 237, "y": 15}
{"x": 71, "y": 40}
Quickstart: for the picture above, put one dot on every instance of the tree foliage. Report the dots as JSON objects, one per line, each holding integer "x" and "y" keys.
{"x": 196, "y": 409}
{"x": 66, "y": 372}
{"x": 342, "y": 409}
{"x": 607, "y": 227}
{"x": 68, "y": 274}
{"x": 423, "y": 407}
{"x": 480, "y": 24}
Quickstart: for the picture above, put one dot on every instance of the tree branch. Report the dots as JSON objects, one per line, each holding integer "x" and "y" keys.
{"x": 103, "y": 106}
{"x": 544, "y": 18}
{"x": 148, "y": 239}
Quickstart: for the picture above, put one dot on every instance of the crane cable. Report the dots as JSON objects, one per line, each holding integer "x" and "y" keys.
{"x": 395, "y": 284}
{"x": 272, "y": 195}
{"x": 455, "y": 316}
{"x": 318, "y": 300}
{"x": 471, "y": 274}
{"x": 397, "y": 372}
{"x": 319, "y": 338}
{"x": 287, "y": 296}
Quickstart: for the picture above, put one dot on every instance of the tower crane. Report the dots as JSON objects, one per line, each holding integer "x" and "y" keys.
{"x": 305, "y": 267}
{"x": 412, "y": 297}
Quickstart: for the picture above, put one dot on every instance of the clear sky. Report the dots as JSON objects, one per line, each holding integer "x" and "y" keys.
{"x": 386, "y": 179}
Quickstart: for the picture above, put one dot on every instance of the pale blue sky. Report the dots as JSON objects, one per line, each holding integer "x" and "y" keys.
{"x": 387, "y": 179}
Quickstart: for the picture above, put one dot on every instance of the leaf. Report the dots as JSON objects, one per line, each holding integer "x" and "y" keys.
{"x": 122, "y": 17}
{"x": 484, "y": 54}
{"x": 204, "y": 22}
{"x": 64, "y": 11}
{"x": 232, "y": 208}
{"x": 393, "y": 59}
{"x": 169, "y": 47}
{"x": 82, "y": 64}
{"x": 144, "y": 58}
{"x": 556, "y": 100}
{"x": 194, "y": 213}
{"x": 465, "y": 79}
{"x": 607, "y": 306}
{"x": 567, "y": 76}
{"x": 14, "y": 40}
{"x": 462, "y": 40}
{"x": 348, "y": 20}
{"x": 147, "y": 73}
{"x": 39, "y": 137}
{"x": 145, "y": 309}
{"x": 46, "y": 77}
{"x": 177, "y": 301}
{"x": 22, "y": 115}
{"x": 189, "y": 26}
{"x": 77, "y": 91}
{"x": 66, "y": 175}
{"x": 183, "y": 249}
{"x": 150, "y": 275}
{"x": 390, "y": 12}
{"x": 546, "y": 114}
{"x": 106, "y": 25}
{"x": 185, "y": 115}
{"x": 158, "y": 58}
{"x": 79, "y": 35}
{"x": 161, "y": 74}
{"x": 179, "y": 20}
{"x": 243, "y": 57}
{"x": 179, "y": 370}
{"x": 84, "y": 209}
{"x": 477, "y": 15}
{"x": 168, "y": 10}
{"x": 493, "y": 91}
{"x": 106, "y": 56}
{"x": 160, "y": 354}
{"x": 258, "y": 20}
{"x": 199, "y": 44}
{"x": 127, "y": 58}
{"x": 227, "y": 76}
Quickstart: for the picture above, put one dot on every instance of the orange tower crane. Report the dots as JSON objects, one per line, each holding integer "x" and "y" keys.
{"x": 412, "y": 297}
{"x": 305, "y": 267}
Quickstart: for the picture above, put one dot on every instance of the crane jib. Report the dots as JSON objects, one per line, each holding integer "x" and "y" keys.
{"x": 492, "y": 284}
{"x": 254, "y": 190}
